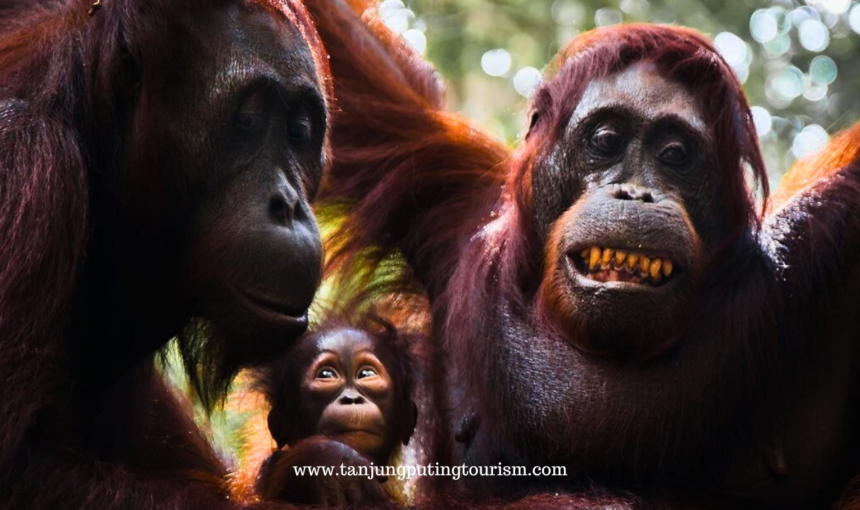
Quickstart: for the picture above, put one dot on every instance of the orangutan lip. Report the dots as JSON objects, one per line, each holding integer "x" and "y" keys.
{"x": 605, "y": 265}
{"x": 358, "y": 431}
{"x": 298, "y": 316}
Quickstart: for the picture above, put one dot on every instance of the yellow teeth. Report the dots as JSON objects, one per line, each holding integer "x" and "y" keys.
{"x": 654, "y": 270}
{"x": 607, "y": 256}
{"x": 667, "y": 268}
{"x": 594, "y": 258}
{"x": 639, "y": 265}
{"x": 632, "y": 259}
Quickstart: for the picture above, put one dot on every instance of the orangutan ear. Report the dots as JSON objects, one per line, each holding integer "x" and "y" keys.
{"x": 283, "y": 426}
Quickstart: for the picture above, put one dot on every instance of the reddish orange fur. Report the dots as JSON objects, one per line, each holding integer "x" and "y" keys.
{"x": 840, "y": 152}
{"x": 392, "y": 117}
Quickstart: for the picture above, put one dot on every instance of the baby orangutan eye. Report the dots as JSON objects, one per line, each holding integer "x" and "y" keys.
{"x": 326, "y": 373}
{"x": 366, "y": 372}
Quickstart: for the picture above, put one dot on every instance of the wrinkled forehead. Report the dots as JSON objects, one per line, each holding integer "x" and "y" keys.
{"x": 248, "y": 42}
{"x": 643, "y": 89}
{"x": 266, "y": 37}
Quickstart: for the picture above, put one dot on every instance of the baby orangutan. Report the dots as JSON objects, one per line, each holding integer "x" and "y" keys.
{"x": 341, "y": 396}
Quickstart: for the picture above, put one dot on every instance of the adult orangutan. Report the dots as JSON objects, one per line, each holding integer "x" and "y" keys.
{"x": 608, "y": 297}
{"x": 156, "y": 163}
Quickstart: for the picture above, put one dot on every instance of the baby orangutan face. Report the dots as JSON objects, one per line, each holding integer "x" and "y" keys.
{"x": 345, "y": 384}
{"x": 339, "y": 396}
{"x": 347, "y": 391}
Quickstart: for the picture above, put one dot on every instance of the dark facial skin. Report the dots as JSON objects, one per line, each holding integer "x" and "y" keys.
{"x": 627, "y": 203}
{"x": 349, "y": 394}
{"x": 247, "y": 120}
{"x": 339, "y": 385}
{"x": 336, "y": 403}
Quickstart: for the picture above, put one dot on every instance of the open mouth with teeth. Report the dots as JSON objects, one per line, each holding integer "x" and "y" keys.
{"x": 609, "y": 265}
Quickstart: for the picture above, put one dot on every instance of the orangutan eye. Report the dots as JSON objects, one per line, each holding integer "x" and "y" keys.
{"x": 366, "y": 372}
{"x": 326, "y": 373}
{"x": 674, "y": 154}
{"x": 252, "y": 115}
{"x": 246, "y": 121}
{"x": 300, "y": 129}
{"x": 606, "y": 141}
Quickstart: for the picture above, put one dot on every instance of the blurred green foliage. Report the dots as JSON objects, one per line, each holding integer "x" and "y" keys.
{"x": 800, "y": 61}
{"x": 224, "y": 426}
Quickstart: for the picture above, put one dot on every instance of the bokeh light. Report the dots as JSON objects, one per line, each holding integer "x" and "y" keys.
{"x": 732, "y": 47}
{"x": 823, "y": 70}
{"x": 763, "y": 26}
{"x": 815, "y": 92}
{"x": 854, "y": 19}
{"x": 526, "y": 81}
{"x": 607, "y": 16}
{"x": 813, "y": 35}
{"x": 762, "y": 119}
{"x": 836, "y": 6}
{"x": 496, "y": 62}
{"x": 567, "y": 13}
{"x": 416, "y": 38}
{"x": 395, "y": 15}
{"x": 736, "y": 52}
{"x": 783, "y": 86}
{"x": 809, "y": 140}
{"x": 804, "y": 13}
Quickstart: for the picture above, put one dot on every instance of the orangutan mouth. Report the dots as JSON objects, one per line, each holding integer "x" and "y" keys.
{"x": 609, "y": 265}
{"x": 296, "y": 316}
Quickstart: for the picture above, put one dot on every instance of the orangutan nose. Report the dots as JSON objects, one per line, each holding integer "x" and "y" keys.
{"x": 283, "y": 204}
{"x": 350, "y": 396}
{"x": 634, "y": 192}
